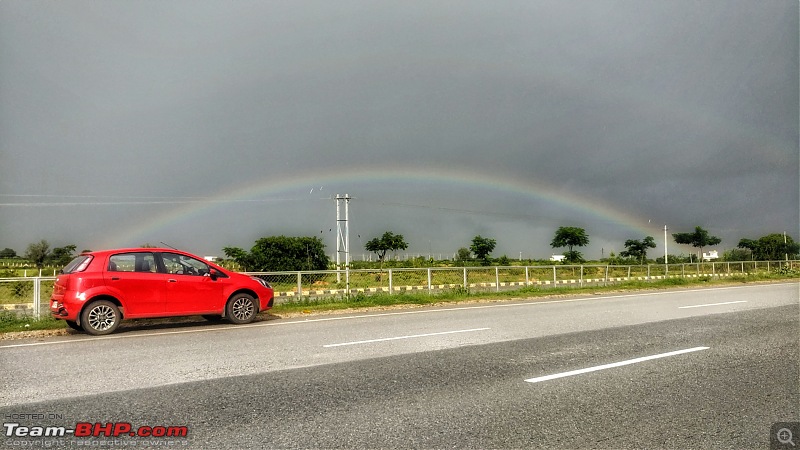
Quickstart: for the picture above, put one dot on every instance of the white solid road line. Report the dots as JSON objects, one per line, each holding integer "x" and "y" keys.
{"x": 712, "y": 304}
{"x": 616, "y": 364}
{"x": 404, "y": 337}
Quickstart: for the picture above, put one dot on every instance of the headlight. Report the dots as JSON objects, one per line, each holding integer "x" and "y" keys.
{"x": 262, "y": 282}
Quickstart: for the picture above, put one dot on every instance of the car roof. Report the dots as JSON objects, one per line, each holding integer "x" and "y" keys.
{"x": 136, "y": 249}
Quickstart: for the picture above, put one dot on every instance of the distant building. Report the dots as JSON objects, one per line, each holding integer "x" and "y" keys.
{"x": 711, "y": 254}
{"x": 210, "y": 258}
{"x": 557, "y": 258}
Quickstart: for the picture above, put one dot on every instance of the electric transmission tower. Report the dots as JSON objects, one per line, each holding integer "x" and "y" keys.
{"x": 343, "y": 237}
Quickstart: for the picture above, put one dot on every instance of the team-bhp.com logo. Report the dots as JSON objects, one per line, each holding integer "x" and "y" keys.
{"x": 86, "y": 429}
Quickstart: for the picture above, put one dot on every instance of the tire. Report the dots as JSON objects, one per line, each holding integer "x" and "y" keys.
{"x": 74, "y": 325}
{"x": 212, "y": 318}
{"x": 100, "y": 317}
{"x": 241, "y": 308}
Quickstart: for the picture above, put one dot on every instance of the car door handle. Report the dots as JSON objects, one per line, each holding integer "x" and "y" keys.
{"x": 114, "y": 278}
{"x": 172, "y": 280}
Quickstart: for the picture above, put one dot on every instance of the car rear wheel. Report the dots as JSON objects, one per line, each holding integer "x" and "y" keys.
{"x": 241, "y": 308}
{"x": 100, "y": 317}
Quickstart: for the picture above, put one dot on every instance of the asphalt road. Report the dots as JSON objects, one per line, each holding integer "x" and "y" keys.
{"x": 702, "y": 368}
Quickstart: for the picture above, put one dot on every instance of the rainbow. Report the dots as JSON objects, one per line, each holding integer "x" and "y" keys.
{"x": 360, "y": 180}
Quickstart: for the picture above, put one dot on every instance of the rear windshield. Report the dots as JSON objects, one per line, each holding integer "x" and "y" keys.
{"x": 76, "y": 264}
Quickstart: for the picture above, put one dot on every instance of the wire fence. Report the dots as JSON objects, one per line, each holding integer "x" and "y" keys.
{"x": 29, "y": 296}
{"x": 293, "y": 286}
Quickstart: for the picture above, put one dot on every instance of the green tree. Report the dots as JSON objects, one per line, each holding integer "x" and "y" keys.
{"x": 771, "y": 247}
{"x": 61, "y": 256}
{"x": 481, "y": 247}
{"x": 570, "y": 237}
{"x": 638, "y": 249}
{"x": 8, "y": 253}
{"x": 675, "y": 259}
{"x": 463, "y": 255}
{"x": 281, "y": 253}
{"x": 388, "y": 242}
{"x": 698, "y": 238}
{"x": 38, "y": 252}
{"x": 737, "y": 254}
{"x": 240, "y": 256}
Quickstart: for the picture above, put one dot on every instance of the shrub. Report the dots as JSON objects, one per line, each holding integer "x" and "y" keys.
{"x": 786, "y": 271}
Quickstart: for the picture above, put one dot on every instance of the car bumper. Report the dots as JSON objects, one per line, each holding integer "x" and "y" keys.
{"x": 63, "y": 310}
{"x": 266, "y": 302}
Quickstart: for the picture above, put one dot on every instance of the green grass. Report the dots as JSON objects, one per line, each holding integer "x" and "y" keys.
{"x": 531, "y": 292}
{"x": 9, "y": 322}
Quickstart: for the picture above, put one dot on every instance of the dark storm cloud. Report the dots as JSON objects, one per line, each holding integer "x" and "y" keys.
{"x": 684, "y": 113}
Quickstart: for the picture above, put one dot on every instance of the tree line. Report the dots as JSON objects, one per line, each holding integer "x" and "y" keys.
{"x": 286, "y": 253}
{"x": 40, "y": 254}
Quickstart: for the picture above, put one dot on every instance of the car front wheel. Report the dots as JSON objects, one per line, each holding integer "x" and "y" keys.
{"x": 241, "y": 308}
{"x": 101, "y": 317}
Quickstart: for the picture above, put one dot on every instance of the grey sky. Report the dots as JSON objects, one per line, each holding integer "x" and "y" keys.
{"x": 207, "y": 124}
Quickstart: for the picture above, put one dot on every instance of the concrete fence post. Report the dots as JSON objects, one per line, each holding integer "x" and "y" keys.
{"x": 37, "y": 287}
{"x": 299, "y": 285}
{"x": 430, "y": 288}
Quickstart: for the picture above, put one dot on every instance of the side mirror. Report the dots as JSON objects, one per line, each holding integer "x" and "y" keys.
{"x": 213, "y": 273}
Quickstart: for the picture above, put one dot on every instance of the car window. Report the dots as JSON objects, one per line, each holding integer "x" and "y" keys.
{"x": 184, "y": 265}
{"x": 133, "y": 262}
{"x": 78, "y": 264}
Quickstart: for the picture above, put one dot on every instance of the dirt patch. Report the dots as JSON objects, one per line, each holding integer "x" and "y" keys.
{"x": 11, "y": 335}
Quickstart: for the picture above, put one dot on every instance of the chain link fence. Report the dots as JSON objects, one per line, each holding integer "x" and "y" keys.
{"x": 26, "y": 296}
{"x": 29, "y": 296}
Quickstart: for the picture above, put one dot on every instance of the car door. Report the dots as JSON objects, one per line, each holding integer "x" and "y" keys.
{"x": 190, "y": 288}
{"x": 134, "y": 277}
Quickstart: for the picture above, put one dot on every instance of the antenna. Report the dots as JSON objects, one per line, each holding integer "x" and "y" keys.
{"x": 167, "y": 245}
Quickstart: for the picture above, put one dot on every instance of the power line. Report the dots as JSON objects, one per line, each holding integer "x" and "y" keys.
{"x": 129, "y": 201}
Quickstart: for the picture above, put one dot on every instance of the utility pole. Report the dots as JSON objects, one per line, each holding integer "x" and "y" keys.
{"x": 343, "y": 238}
{"x": 665, "y": 246}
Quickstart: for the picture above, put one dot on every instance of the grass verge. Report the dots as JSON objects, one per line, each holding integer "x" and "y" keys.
{"x": 378, "y": 300}
{"x": 10, "y": 322}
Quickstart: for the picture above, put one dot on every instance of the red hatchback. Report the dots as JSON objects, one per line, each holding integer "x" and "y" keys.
{"x": 96, "y": 290}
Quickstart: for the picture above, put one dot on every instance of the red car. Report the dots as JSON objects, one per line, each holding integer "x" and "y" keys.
{"x": 97, "y": 290}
